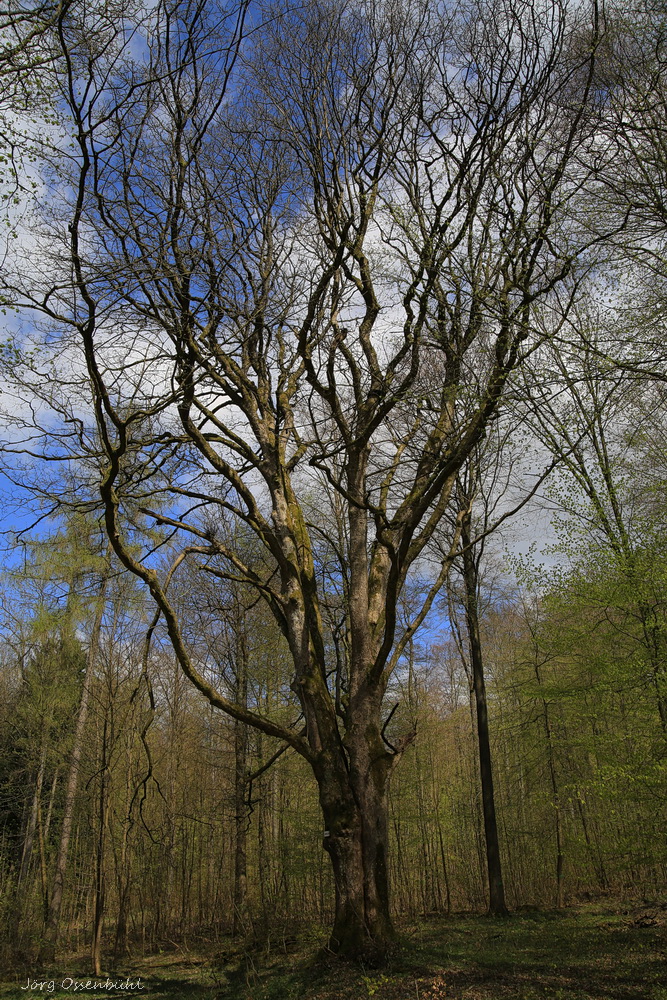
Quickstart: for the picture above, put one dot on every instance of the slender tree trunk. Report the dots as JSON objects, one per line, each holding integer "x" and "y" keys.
{"x": 497, "y": 905}
{"x": 124, "y": 869}
{"x": 100, "y": 875}
{"x": 443, "y": 860}
{"x": 52, "y": 929}
{"x": 554, "y": 791}
{"x": 239, "y": 920}
{"x": 28, "y": 844}
{"x": 654, "y": 643}
{"x": 120, "y": 942}
{"x": 42, "y": 861}
{"x": 559, "y": 835}
{"x": 29, "y": 839}
{"x": 52, "y": 798}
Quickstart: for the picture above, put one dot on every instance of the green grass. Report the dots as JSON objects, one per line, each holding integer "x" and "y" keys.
{"x": 578, "y": 954}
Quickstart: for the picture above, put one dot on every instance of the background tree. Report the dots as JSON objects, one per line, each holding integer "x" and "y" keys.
{"x": 471, "y": 652}
{"x": 594, "y": 419}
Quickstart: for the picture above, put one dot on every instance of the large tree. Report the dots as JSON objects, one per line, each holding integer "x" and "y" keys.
{"x": 292, "y": 280}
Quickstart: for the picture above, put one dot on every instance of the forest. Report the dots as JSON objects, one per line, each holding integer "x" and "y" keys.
{"x": 333, "y": 614}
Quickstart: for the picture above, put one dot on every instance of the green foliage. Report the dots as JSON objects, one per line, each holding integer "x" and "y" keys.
{"x": 375, "y": 984}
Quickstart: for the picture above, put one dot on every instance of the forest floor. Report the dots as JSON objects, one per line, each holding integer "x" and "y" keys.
{"x": 582, "y": 953}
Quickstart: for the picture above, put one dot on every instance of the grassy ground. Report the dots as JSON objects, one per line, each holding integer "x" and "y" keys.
{"x": 578, "y": 954}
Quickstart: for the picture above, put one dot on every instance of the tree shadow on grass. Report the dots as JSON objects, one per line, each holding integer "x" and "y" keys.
{"x": 175, "y": 989}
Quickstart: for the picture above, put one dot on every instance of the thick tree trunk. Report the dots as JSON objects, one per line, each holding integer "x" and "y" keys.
{"x": 352, "y": 771}
{"x": 355, "y": 809}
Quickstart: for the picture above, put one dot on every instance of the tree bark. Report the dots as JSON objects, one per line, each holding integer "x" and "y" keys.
{"x": 239, "y": 919}
{"x": 100, "y": 874}
{"x": 52, "y": 929}
{"x": 497, "y": 905}
{"x": 31, "y": 822}
{"x": 355, "y": 810}
{"x": 554, "y": 790}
